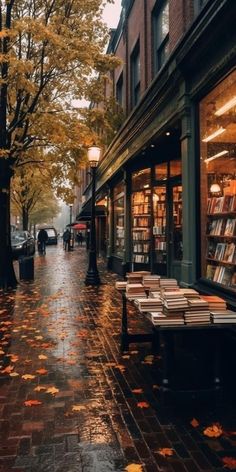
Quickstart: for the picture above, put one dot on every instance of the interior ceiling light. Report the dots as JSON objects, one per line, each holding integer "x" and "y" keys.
{"x": 227, "y": 106}
{"x": 215, "y": 188}
{"x": 219, "y": 154}
{"x": 213, "y": 135}
{"x": 152, "y": 145}
{"x": 167, "y": 133}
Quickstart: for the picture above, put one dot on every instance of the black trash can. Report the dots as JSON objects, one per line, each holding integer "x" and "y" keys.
{"x": 26, "y": 268}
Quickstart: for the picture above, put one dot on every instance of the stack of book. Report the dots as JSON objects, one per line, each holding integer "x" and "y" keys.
{"x": 189, "y": 293}
{"x": 135, "y": 291}
{"x": 121, "y": 285}
{"x": 168, "y": 284}
{"x": 151, "y": 282}
{"x": 223, "y": 316}
{"x": 149, "y": 304}
{"x": 160, "y": 319}
{"x": 174, "y": 305}
{"x": 136, "y": 277}
{"x": 198, "y": 312}
{"x": 215, "y": 303}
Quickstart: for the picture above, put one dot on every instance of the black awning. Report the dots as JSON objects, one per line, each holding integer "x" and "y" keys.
{"x": 85, "y": 213}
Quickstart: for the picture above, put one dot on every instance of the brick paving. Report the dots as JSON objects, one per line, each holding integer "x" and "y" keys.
{"x": 56, "y": 333}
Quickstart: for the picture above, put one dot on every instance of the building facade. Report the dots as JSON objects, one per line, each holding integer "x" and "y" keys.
{"x": 169, "y": 176}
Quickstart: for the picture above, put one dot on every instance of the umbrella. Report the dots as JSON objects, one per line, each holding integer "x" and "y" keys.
{"x": 79, "y": 226}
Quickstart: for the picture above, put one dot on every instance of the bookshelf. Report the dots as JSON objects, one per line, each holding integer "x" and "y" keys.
{"x": 159, "y": 224}
{"x": 119, "y": 230}
{"x": 221, "y": 240}
{"x": 141, "y": 226}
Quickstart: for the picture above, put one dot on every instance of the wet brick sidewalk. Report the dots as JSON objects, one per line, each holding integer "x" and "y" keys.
{"x": 70, "y": 401}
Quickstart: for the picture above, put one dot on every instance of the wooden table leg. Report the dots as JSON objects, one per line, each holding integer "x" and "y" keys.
{"x": 124, "y": 325}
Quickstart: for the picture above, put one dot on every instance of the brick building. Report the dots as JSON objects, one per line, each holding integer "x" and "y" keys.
{"x": 169, "y": 176}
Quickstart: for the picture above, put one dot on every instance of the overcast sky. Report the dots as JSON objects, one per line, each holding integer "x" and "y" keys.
{"x": 112, "y": 13}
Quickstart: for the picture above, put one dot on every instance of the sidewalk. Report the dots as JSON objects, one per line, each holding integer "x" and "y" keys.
{"x": 70, "y": 401}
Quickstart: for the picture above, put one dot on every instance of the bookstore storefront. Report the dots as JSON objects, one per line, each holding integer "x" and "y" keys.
{"x": 218, "y": 185}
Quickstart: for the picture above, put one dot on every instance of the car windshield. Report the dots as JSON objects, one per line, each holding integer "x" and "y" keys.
{"x": 17, "y": 237}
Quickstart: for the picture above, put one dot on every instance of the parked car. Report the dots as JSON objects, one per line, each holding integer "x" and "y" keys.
{"x": 22, "y": 243}
{"x": 52, "y": 234}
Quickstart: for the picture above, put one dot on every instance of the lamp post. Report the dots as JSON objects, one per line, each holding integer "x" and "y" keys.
{"x": 92, "y": 277}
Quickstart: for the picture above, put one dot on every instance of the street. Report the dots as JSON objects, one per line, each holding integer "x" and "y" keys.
{"x": 71, "y": 401}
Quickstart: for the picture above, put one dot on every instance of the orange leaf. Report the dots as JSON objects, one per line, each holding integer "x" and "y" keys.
{"x": 137, "y": 390}
{"x": 194, "y": 423}
{"x": 213, "y": 431}
{"x": 7, "y": 369}
{"x": 134, "y": 468}
{"x": 229, "y": 462}
{"x": 28, "y": 377}
{"x": 32, "y": 403}
{"x": 52, "y": 390}
{"x": 78, "y": 407}
{"x": 42, "y": 371}
{"x": 166, "y": 451}
{"x": 42, "y": 356}
{"x": 143, "y": 405}
{"x": 39, "y": 388}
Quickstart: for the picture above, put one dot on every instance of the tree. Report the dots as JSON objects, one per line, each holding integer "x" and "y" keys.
{"x": 31, "y": 195}
{"x": 48, "y": 51}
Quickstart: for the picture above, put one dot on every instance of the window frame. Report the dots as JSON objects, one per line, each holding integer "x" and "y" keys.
{"x": 159, "y": 47}
{"x": 135, "y": 77}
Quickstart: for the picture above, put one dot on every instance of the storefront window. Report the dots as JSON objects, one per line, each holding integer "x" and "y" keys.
{"x": 141, "y": 216}
{"x": 175, "y": 168}
{"x": 119, "y": 220}
{"x": 218, "y": 183}
{"x": 161, "y": 171}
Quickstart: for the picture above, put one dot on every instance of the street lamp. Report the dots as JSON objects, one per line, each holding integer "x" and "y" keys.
{"x": 92, "y": 277}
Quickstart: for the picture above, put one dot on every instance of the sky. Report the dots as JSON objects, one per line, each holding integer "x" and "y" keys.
{"x": 111, "y": 13}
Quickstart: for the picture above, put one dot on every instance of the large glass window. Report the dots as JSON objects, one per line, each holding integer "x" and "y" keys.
{"x": 218, "y": 183}
{"x": 119, "y": 90}
{"x": 160, "y": 21}
{"x": 119, "y": 236}
{"x": 135, "y": 75}
{"x": 141, "y": 216}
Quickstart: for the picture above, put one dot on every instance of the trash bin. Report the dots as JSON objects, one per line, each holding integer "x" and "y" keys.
{"x": 26, "y": 268}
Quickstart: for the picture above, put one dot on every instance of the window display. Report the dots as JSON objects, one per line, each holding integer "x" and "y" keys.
{"x": 141, "y": 216}
{"x": 119, "y": 230}
{"x": 159, "y": 223}
{"x": 218, "y": 183}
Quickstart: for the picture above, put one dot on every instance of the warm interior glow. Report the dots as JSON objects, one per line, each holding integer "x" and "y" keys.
{"x": 213, "y": 135}
{"x": 219, "y": 154}
{"x": 215, "y": 188}
{"x": 227, "y": 106}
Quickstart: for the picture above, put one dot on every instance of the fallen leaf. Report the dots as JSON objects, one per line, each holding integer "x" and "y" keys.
{"x": 137, "y": 390}
{"x": 213, "y": 431}
{"x": 126, "y": 356}
{"x": 71, "y": 362}
{"x": 121, "y": 367}
{"x": 7, "y": 369}
{"x": 32, "y": 402}
{"x": 42, "y": 371}
{"x": 14, "y": 374}
{"x": 39, "y": 388}
{"x": 110, "y": 364}
{"x": 143, "y": 405}
{"x": 134, "y": 468}
{"x": 78, "y": 407}
{"x": 165, "y": 451}
{"x": 28, "y": 377}
{"x": 42, "y": 356}
{"x": 194, "y": 423}
{"x": 229, "y": 462}
{"x": 52, "y": 390}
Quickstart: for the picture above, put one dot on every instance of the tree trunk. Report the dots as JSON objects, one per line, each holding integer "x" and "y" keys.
{"x": 25, "y": 218}
{"x": 7, "y": 274}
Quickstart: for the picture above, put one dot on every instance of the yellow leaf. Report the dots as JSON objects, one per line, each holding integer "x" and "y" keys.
{"x": 213, "y": 431}
{"x": 78, "y": 407}
{"x": 42, "y": 356}
{"x": 165, "y": 451}
{"x": 28, "y": 377}
{"x": 14, "y": 374}
{"x": 39, "y": 388}
{"x": 134, "y": 468}
{"x": 52, "y": 390}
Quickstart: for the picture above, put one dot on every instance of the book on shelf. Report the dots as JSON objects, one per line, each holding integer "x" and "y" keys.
{"x": 210, "y": 271}
{"x": 230, "y": 227}
{"x": 218, "y": 205}
{"x": 230, "y": 253}
{"x": 211, "y": 249}
{"x": 219, "y": 253}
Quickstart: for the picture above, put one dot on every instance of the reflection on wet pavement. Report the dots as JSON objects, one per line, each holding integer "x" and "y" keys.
{"x": 70, "y": 400}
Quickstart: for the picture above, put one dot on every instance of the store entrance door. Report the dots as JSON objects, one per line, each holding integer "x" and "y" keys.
{"x": 175, "y": 233}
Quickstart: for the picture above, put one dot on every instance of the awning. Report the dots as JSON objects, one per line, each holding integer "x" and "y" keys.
{"x": 85, "y": 213}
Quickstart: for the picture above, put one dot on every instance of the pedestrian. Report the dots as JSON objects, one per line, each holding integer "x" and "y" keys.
{"x": 66, "y": 240}
{"x": 80, "y": 239}
{"x": 42, "y": 240}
